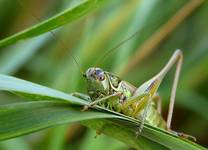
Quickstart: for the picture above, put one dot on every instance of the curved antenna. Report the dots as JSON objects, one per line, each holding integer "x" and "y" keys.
{"x": 108, "y": 52}
{"x": 62, "y": 45}
{"x": 60, "y": 42}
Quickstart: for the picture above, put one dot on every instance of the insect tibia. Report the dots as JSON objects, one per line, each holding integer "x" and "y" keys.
{"x": 152, "y": 85}
{"x": 177, "y": 57}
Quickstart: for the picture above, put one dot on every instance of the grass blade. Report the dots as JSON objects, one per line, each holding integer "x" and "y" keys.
{"x": 125, "y": 131}
{"x": 60, "y": 19}
{"x": 34, "y": 91}
{"x": 23, "y": 118}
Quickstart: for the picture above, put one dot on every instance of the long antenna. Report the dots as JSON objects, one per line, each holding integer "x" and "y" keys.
{"x": 60, "y": 42}
{"x": 108, "y": 52}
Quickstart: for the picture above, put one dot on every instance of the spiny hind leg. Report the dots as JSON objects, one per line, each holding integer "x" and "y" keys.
{"x": 178, "y": 58}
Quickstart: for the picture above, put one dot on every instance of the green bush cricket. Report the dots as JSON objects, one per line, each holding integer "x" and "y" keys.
{"x": 109, "y": 91}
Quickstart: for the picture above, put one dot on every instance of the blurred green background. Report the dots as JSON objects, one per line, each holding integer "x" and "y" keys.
{"x": 164, "y": 26}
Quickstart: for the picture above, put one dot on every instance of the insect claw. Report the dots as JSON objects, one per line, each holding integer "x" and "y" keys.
{"x": 183, "y": 135}
{"x": 192, "y": 138}
{"x": 186, "y": 136}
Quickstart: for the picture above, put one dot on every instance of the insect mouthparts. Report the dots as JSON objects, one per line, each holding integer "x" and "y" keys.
{"x": 84, "y": 75}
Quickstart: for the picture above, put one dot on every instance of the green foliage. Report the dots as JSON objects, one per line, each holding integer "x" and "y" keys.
{"x": 62, "y": 18}
{"x": 95, "y": 26}
{"x": 23, "y": 118}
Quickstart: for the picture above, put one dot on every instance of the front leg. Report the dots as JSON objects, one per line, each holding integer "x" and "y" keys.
{"x": 81, "y": 96}
{"x": 112, "y": 97}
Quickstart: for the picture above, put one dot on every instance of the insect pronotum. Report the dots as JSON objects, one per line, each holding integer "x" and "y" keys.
{"x": 109, "y": 91}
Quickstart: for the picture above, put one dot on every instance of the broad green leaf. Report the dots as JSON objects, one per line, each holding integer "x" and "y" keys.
{"x": 56, "y": 21}
{"x": 23, "y": 118}
{"x": 35, "y": 91}
{"x": 125, "y": 131}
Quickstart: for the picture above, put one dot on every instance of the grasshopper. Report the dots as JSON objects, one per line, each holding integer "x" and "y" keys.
{"x": 108, "y": 90}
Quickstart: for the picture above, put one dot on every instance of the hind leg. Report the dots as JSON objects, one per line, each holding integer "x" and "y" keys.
{"x": 178, "y": 59}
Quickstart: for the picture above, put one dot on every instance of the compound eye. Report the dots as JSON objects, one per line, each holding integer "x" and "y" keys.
{"x": 98, "y": 71}
{"x": 100, "y": 74}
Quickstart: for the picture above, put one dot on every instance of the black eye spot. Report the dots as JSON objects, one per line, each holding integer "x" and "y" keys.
{"x": 101, "y": 78}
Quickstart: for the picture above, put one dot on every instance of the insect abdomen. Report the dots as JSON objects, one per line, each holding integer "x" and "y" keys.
{"x": 155, "y": 119}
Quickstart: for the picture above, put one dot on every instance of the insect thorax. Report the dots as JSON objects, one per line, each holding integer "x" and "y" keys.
{"x": 111, "y": 85}
{"x": 118, "y": 85}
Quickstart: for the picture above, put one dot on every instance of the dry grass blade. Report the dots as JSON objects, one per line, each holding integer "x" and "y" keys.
{"x": 147, "y": 47}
